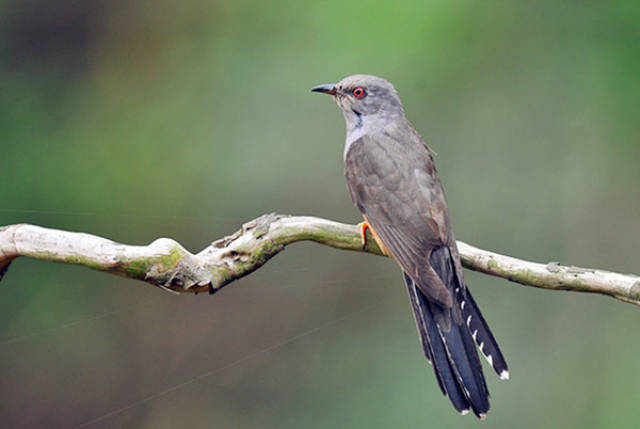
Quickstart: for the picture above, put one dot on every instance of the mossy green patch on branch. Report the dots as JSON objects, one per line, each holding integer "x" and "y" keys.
{"x": 82, "y": 260}
{"x": 493, "y": 265}
{"x": 522, "y": 276}
{"x": 139, "y": 268}
{"x": 172, "y": 259}
{"x": 263, "y": 254}
{"x": 136, "y": 268}
{"x": 223, "y": 274}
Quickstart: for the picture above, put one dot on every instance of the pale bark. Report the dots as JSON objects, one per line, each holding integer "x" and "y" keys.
{"x": 165, "y": 263}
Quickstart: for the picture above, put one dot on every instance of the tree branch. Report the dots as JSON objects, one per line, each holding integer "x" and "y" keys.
{"x": 165, "y": 263}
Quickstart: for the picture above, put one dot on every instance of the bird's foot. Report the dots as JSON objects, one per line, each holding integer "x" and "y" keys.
{"x": 363, "y": 232}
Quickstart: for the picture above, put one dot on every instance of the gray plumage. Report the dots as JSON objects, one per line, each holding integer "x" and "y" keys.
{"x": 392, "y": 180}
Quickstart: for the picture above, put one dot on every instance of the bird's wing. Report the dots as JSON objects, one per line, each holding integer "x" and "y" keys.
{"x": 395, "y": 185}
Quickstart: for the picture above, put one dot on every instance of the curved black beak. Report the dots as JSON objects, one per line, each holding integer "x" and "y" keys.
{"x": 327, "y": 88}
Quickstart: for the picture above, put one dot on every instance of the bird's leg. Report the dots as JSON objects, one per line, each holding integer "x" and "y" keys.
{"x": 363, "y": 232}
{"x": 363, "y": 226}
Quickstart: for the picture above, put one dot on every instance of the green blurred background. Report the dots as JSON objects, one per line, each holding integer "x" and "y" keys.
{"x": 136, "y": 120}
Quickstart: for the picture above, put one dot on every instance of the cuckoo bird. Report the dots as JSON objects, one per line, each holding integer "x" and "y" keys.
{"x": 393, "y": 181}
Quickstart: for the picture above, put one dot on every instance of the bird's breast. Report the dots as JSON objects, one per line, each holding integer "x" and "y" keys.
{"x": 352, "y": 137}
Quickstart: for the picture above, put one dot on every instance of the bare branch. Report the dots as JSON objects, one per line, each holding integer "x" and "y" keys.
{"x": 165, "y": 263}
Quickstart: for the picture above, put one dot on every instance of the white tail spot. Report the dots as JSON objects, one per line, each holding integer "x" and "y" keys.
{"x": 482, "y": 416}
{"x": 490, "y": 359}
{"x": 464, "y": 412}
{"x": 504, "y": 375}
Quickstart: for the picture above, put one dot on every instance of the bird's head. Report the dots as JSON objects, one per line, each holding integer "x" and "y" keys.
{"x": 364, "y": 97}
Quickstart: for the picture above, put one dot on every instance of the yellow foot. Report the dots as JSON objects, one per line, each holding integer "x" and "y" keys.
{"x": 363, "y": 232}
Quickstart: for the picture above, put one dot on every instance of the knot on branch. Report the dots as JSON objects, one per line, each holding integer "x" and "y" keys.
{"x": 171, "y": 266}
{"x": 244, "y": 251}
{"x": 260, "y": 227}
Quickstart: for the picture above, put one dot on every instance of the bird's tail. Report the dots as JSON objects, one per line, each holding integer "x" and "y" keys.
{"x": 450, "y": 347}
{"x": 482, "y": 335}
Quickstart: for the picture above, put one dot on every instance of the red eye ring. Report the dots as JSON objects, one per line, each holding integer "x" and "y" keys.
{"x": 358, "y": 92}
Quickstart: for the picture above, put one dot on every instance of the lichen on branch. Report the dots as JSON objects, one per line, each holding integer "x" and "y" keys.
{"x": 168, "y": 265}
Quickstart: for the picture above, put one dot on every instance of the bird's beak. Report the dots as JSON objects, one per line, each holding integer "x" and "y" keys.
{"x": 327, "y": 88}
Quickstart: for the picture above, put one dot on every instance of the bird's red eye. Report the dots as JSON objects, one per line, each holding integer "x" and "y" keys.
{"x": 358, "y": 92}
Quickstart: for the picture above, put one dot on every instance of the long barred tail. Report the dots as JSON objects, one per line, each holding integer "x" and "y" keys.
{"x": 482, "y": 335}
{"x": 448, "y": 341}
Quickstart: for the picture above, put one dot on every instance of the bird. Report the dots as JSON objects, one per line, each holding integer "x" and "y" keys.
{"x": 392, "y": 180}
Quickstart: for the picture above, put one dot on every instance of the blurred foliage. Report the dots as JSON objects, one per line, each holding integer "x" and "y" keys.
{"x": 134, "y": 120}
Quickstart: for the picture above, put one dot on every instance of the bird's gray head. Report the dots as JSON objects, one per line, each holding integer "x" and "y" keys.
{"x": 365, "y": 100}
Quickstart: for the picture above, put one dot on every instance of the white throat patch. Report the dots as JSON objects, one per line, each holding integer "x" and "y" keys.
{"x": 352, "y": 137}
